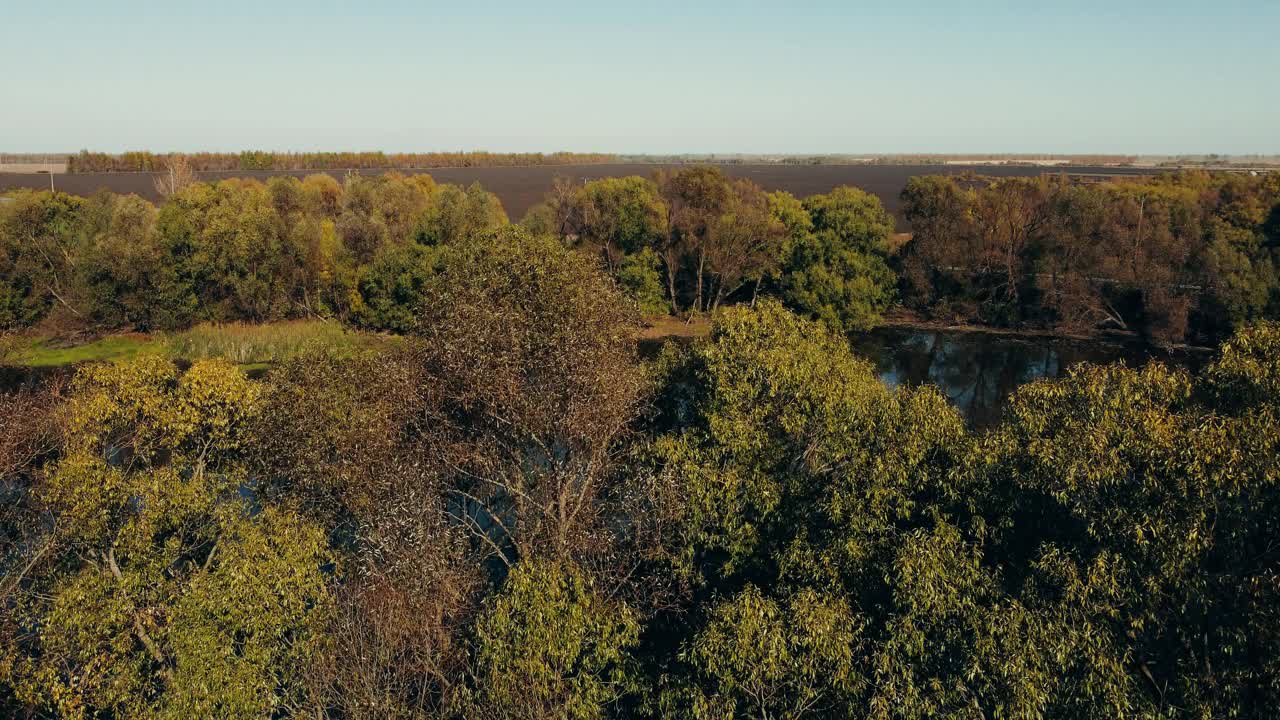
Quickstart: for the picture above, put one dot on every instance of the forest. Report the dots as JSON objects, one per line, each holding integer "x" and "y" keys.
{"x": 496, "y": 508}
{"x": 1178, "y": 258}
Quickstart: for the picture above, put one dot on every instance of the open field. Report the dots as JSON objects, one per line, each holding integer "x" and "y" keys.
{"x": 38, "y": 168}
{"x": 520, "y": 188}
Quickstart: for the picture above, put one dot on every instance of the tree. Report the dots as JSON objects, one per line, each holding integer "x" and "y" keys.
{"x": 790, "y": 466}
{"x": 393, "y": 286}
{"x": 529, "y": 362}
{"x": 225, "y": 254}
{"x": 838, "y": 272}
{"x": 322, "y": 196}
{"x": 1131, "y": 522}
{"x": 939, "y": 211}
{"x": 1247, "y": 375}
{"x": 455, "y": 214}
{"x": 1149, "y": 236}
{"x": 39, "y": 232}
{"x": 550, "y": 645}
{"x": 1009, "y": 217}
{"x": 176, "y": 174}
{"x": 382, "y": 211}
{"x": 616, "y": 217}
{"x": 695, "y": 199}
{"x": 759, "y": 657}
{"x": 1075, "y": 261}
{"x": 180, "y": 596}
{"x": 640, "y": 279}
{"x": 28, "y": 440}
{"x": 122, "y": 262}
{"x": 774, "y": 416}
{"x": 791, "y": 213}
{"x": 744, "y": 242}
{"x": 338, "y": 439}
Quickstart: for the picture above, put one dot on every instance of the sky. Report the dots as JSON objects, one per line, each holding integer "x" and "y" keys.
{"x": 647, "y": 76}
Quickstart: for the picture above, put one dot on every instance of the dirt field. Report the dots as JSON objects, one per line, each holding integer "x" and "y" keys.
{"x": 520, "y": 188}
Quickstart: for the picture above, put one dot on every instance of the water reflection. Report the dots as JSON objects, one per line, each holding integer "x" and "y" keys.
{"x": 978, "y": 371}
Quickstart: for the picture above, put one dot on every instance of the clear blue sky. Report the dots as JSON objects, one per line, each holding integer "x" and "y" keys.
{"x": 643, "y": 76}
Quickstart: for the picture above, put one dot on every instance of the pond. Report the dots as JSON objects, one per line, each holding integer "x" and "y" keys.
{"x": 979, "y": 370}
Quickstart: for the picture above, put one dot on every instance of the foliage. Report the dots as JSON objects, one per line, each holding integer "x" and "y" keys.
{"x": 234, "y": 250}
{"x": 1248, "y": 373}
{"x": 37, "y": 232}
{"x": 837, "y": 272}
{"x": 393, "y": 286}
{"x": 758, "y": 657}
{"x": 550, "y": 646}
{"x": 173, "y": 595}
{"x": 529, "y": 354}
{"x": 504, "y": 513}
{"x": 456, "y": 214}
{"x": 614, "y": 217}
{"x": 639, "y": 278}
{"x": 1180, "y": 256}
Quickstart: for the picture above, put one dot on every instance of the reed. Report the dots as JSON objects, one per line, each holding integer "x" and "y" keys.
{"x": 250, "y": 344}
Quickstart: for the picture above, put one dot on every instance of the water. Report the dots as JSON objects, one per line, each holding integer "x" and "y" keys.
{"x": 979, "y": 370}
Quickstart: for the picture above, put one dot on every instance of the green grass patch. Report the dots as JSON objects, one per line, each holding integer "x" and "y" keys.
{"x": 45, "y": 352}
{"x": 253, "y": 347}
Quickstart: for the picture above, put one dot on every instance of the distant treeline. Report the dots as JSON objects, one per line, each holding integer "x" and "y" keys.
{"x": 1176, "y": 258}
{"x": 147, "y": 161}
{"x": 874, "y": 159}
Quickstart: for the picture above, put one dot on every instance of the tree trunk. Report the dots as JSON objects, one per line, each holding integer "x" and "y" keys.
{"x": 702, "y": 263}
{"x": 671, "y": 282}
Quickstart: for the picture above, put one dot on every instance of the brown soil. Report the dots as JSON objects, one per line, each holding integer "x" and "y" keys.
{"x": 658, "y": 331}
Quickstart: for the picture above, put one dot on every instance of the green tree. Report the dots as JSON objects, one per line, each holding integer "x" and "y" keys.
{"x": 456, "y": 213}
{"x": 640, "y": 279}
{"x": 790, "y": 466}
{"x": 393, "y": 287}
{"x": 758, "y": 657}
{"x": 226, "y": 255}
{"x": 121, "y": 264}
{"x": 616, "y": 217}
{"x": 1131, "y": 516}
{"x": 838, "y": 272}
{"x": 173, "y": 595}
{"x": 1248, "y": 372}
{"x": 550, "y": 645}
{"x": 39, "y": 236}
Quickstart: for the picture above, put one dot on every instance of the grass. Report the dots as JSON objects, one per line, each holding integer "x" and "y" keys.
{"x": 45, "y": 352}
{"x": 253, "y": 347}
{"x": 259, "y": 345}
